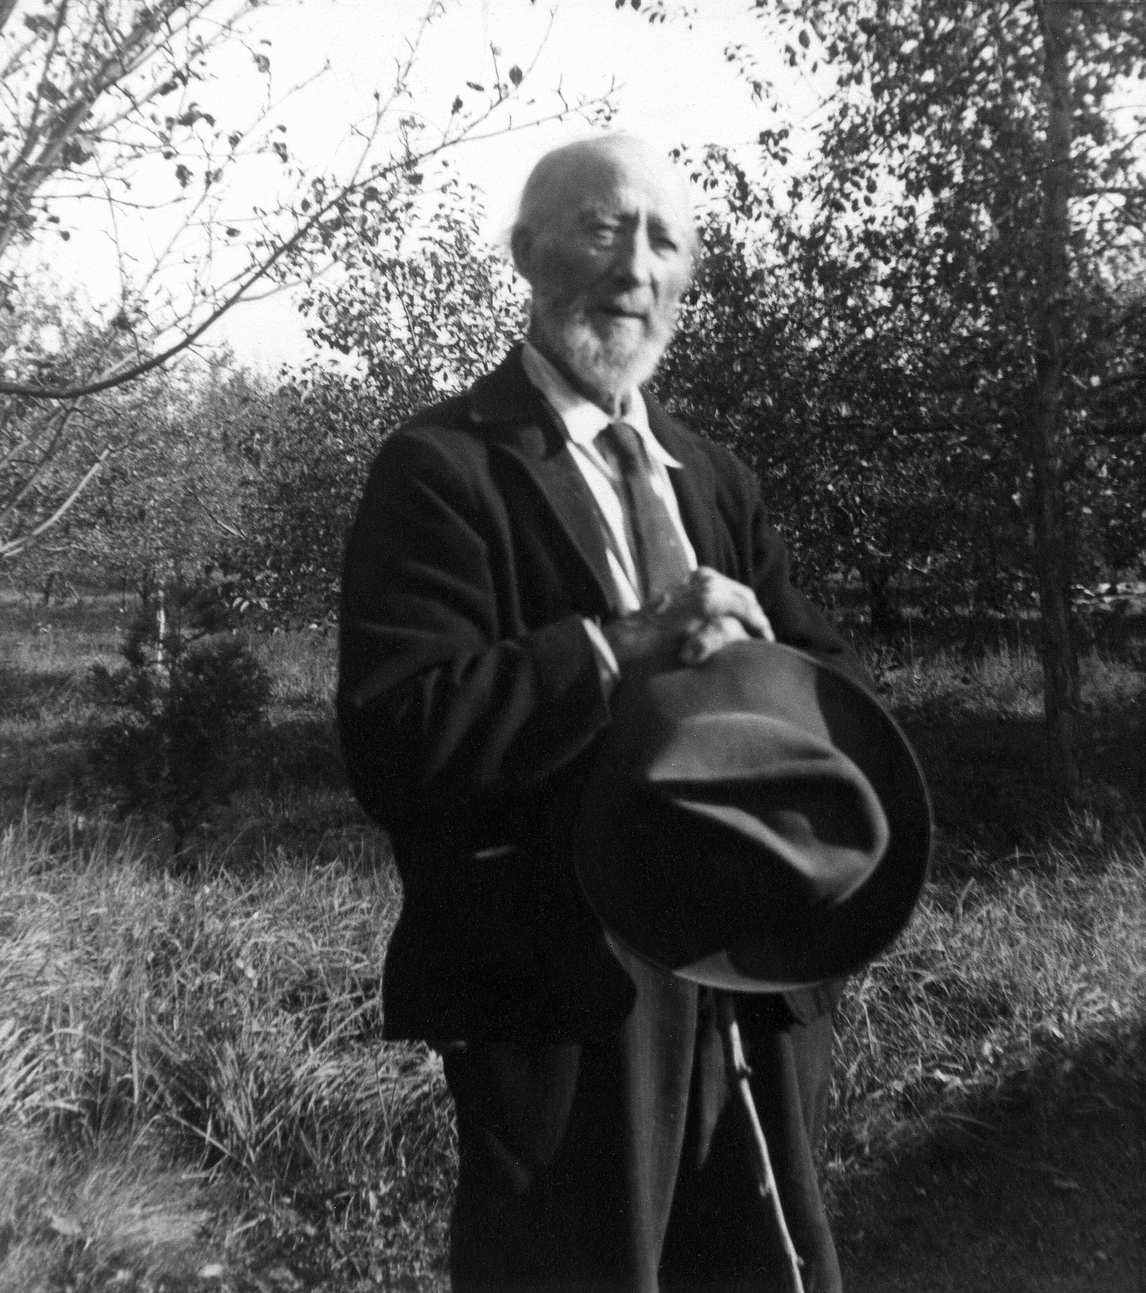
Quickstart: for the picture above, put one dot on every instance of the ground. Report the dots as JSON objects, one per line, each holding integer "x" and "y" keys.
{"x": 1040, "y": 1190}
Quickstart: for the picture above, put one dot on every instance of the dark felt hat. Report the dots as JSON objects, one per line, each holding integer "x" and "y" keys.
{"x": 757, "y": 823}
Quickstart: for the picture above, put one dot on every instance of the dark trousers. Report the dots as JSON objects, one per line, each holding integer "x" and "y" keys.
{"x": 624, "y": 1163}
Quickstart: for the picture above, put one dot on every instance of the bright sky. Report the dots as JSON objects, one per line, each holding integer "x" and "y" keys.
{"x": 673, "y": 84}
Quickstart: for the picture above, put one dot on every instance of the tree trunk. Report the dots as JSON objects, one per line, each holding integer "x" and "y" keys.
{"x": 1052, "y": 560}
{"x": 886, "y": 621}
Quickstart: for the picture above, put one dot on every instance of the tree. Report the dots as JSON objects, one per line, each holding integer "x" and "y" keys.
{"x": 972, "y": 166}
{"x": 866, "y": 460}
{"x": 181, "y": 707}
{"x": 304, "y": 463}
{"x": 170, "y": 499}
{"x": 97, "y": 92}
{"x": 421, "y": 308}
{"x": 48, "y": 453}
{"x": 161, "y": 443}
{"x": 1047, "y": 425}
{"x": 108, "y": 105}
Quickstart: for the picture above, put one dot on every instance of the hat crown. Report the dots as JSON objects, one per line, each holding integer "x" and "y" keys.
{"x": 742, "y": 812}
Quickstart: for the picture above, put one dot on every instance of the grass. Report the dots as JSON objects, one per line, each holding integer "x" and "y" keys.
{"x": 228, "y": 1023}
{"x": 995, "y": 976}
{"x": 192, "y": 1086}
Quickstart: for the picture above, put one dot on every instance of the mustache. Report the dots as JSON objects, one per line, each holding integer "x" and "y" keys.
{"x": 639, "y": 307}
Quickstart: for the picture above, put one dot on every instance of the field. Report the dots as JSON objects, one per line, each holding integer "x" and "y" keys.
{"x": 192, "y": 1090}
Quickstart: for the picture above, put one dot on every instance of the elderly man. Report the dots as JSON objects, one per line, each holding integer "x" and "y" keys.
{"x": 519, "y": 549}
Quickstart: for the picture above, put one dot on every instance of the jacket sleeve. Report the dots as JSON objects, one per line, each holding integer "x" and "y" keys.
{"x": 446, "y": 698}
{"x": 795, "y": 620}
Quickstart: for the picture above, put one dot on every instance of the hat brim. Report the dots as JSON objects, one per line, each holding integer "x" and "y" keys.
{"x": 624, "y": 874}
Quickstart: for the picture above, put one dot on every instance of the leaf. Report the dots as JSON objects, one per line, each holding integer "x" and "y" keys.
{"x": 456, "y": 106}
{"x": 516, "y": 75}
{"x": 263, "y": 63}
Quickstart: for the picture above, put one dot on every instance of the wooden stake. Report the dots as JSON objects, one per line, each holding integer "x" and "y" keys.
{"x": 738, "y": 1075}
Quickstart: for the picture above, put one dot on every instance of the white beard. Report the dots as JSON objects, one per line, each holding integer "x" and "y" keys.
{"x": 601, "y": 366}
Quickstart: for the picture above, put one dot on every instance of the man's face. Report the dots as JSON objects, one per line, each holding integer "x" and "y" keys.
{"x": 607, "y": 265}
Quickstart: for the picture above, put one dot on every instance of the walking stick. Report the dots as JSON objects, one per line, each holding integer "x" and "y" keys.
{"x": 738, "y": 1075}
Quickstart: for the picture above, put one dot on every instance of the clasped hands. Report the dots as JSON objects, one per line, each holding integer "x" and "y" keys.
{"x": 690, "y": 622}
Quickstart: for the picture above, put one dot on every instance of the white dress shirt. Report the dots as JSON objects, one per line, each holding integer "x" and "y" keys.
{"x": 583, "y": 421}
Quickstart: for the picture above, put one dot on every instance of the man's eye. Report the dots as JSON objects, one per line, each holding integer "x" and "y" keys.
{"x": 603, "y": 233}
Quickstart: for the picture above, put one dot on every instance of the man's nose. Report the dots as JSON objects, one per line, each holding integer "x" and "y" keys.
{"x": 633, "y": 262}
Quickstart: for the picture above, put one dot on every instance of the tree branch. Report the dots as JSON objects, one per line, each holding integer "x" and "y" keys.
{"x": 14, "y": 546}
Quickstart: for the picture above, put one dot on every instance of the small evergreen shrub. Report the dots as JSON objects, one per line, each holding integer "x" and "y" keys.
{"x": 188, "y": 694}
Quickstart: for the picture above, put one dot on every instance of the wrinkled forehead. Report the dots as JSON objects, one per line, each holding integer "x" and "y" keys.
{"x": 621, "y": 179}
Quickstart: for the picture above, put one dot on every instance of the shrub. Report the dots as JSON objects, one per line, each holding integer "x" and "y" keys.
{"x": 189, "y": 691}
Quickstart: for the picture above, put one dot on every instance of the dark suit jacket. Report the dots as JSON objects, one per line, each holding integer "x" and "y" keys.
{"x": 470, "y": 700}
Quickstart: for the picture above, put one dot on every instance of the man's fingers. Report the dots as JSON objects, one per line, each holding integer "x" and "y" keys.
{"x": 706, "y": 639}
{"x": 701, "y": 644}
{"x": 716, "y": 596}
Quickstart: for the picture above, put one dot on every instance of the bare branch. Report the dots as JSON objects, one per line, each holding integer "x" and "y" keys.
{"x": 121, "y": 374}
{"x": 12, "y": 547}
{"x": 231, "y": 531}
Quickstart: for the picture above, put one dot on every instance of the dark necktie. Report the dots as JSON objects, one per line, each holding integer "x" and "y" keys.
{"x": 658, "y": 552}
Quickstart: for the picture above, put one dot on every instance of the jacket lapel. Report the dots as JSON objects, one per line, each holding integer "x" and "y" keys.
{"x": 693, "y": 483}
{"x": 522, "y": 427}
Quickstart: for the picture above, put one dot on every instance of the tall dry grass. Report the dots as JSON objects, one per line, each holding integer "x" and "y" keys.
{"x": 229, "y": 1023}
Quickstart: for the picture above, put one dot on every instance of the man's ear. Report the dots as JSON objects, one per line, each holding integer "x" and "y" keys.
{"x": 521, "y": 244}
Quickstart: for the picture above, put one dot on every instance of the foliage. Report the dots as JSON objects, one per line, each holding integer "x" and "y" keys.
{"x": 1010, "y": 198}
{"x": 110, "y": 109}
{"x": 168, "y": 497}
{"x": 101, "y": 96}
{"x": 49, "y": 454}
{"x": 94, "y": 86}
{"x": 863, "y": 324}
{"x": 421, "y": 308}
{"x": 184, "y": 702}
{"x": 422, "y": 303}
{"x": 106, "y": 92}
{"x": 304, "y": 465}
{"x": 862, "y": 466}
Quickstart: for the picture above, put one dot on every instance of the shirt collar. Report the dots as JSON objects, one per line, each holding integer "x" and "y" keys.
{"x": 583, "y": 419}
